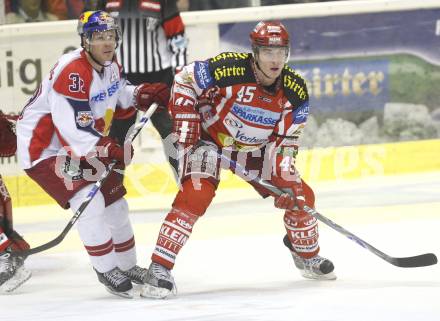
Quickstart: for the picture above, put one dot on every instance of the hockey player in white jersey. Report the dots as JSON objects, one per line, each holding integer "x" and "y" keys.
{"x": 12, "y": 271}
{"x": 62, "y": 145}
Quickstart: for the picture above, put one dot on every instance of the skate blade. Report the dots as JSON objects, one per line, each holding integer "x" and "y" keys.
{"x": 153, "y": 292}
{"x": 126, "y": 295}
{"x": 323, "y": 277}
{"x": 20, "y": 277}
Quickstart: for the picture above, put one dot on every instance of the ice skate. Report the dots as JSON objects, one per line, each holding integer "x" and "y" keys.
{"x": 116, "y": 283}
{"x": 317, "y": 267}
{"x": 136, "y": 274}
{"x": 160, "y": 283}
{"x": 12, "y": 272}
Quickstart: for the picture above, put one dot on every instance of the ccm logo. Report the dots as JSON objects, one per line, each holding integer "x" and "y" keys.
{"x": 233, "y": 123}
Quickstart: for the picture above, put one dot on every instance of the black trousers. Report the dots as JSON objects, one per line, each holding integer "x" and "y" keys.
{"x": 161, "y": 119}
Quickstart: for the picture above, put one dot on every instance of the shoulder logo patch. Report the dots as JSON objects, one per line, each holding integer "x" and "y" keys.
{"x": 201, "y": 74}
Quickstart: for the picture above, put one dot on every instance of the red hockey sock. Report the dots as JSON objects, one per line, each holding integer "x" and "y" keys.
{"x": 175, "y": 231}
{"x": 302, "y": 230}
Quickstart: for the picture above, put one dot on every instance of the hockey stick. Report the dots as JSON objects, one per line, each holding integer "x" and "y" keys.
{"x": 405, "y": 262}
{"x": 137, "y": 129}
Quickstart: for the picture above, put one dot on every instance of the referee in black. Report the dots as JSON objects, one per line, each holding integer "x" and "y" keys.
{"x": 153, "y": 46}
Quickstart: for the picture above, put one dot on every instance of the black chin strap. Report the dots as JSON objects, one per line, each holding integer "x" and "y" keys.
{"x": 258, "y": 66}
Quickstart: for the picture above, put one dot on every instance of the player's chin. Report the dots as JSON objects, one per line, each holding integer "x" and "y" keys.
{"x": 107, "y": 56}
{"x": 274, "y": 72}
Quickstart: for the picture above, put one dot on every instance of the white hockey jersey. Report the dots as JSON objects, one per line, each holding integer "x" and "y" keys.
{"x": 72, "y": 108}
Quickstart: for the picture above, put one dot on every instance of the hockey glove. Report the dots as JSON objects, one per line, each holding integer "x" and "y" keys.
{"x": 17, "y": 242}
{"x": 108, "y": 149}
{"x": 293, "y": 198}
{"x": 146, "y": 94}
{"x": 186, "y": 127}
{"x": 287, "y": 178}
{"x": 8, "y": 140}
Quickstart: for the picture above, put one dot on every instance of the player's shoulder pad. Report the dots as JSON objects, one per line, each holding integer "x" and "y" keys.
{"x": 231, "y": 68}
{"x": 74, "y": 78}
{"x": 294, "y": 86}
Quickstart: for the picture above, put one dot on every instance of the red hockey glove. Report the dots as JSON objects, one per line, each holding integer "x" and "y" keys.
{"x": 186, "y": 127}
{"x": 288, "y": 179}
{"x": 292, "y": 199}
{"x": 108, "y": 149}
{"x": 13, "y": 240}
{"x": 17, "y": 242}
{"x": 8, "y": 140}
{"x": 146, "y": 94}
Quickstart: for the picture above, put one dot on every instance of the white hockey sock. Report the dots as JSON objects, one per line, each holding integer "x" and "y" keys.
{"x": 93, "y": 231}
{"x": 116, "y": 217}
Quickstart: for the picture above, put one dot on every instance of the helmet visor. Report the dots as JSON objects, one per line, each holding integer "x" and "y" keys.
{"x": 99, "y": 37}
{"x": 273, "y": 54}
{"x": 111, "y": 36}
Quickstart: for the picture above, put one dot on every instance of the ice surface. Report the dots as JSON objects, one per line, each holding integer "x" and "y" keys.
{"x": 235, "y": 266}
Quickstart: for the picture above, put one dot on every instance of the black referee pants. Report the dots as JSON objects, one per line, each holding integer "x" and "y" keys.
{"x": 161, "y": 119}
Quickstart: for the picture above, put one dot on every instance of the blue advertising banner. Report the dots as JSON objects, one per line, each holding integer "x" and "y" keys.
{"x": 413, "y": 32}
{"x": 335, "y": 86}
{"x": 375, "y": 68}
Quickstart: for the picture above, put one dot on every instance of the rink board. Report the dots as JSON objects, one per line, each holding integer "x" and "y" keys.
{"x": 156, "y": 182}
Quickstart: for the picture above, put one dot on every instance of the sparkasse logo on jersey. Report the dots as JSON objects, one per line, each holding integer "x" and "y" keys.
{"x": 255, "y": 115}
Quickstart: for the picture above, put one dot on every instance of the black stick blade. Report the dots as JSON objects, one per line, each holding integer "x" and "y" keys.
{"x": 414, "y": 261}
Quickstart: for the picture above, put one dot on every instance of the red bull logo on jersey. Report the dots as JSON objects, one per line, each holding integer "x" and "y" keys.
{"x": 84, "y": 118}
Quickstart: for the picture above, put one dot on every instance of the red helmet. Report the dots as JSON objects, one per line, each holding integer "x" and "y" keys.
{"x": 270, "y": 33}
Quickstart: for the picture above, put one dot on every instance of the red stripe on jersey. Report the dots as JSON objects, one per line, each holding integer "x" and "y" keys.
{"x": 125, "y": 246}
{"x": 173, "y": 26}
{"x": 41, "y": 137}
{"x": 115, "y": 60}
{"x": 66, "y": 145}
{"x": 100, "y": 250}
{"x": 75, "y": 79}
{"x": 63, "y": 141}
{"x": 121, "y": 113}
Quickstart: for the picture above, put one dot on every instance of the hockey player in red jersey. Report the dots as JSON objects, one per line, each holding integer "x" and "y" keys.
{"x": 62, "y": 145}
{"x": 12, "y": 270}
{"x": 253, "y": 107}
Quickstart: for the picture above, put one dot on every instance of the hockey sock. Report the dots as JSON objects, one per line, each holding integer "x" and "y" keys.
{"x": 175, "y": 231}
{"x": 93, "y": 230}
{"x": 116, "y": 217}
{"x": 302, "y": 230}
